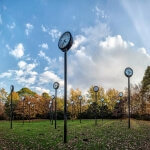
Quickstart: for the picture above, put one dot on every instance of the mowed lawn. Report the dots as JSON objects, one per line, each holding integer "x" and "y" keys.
{"x": 40, "y": 135}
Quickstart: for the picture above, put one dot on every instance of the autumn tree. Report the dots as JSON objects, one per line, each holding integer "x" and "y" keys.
{"x": 15, "y": 100}
{"x": 145, "y": 91}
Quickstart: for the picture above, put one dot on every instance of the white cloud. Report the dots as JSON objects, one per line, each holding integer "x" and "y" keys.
{"x": 18, "y": 52}
{"x": 29, "y": 28}
{"x": 43, "y": 55}
{"x": 22, "y": 64}
{"x": 49, "y": 76}
{"x": 101, "y": 60}
{"x": 43, "y": 28}
{"x": 25, "y": 75}
{"x": 44, "y": 45}
{"x": 139, "y": 18}
{"x": 100, "y": 13}
{"x": 1, "y": 19}
{"x": 12, "y": 26}
{"x": 5, "y": 74}
{"x": 55, "y": 34}
{"x": 77, "y": 41}
{"x": 41, "y": 90}
{"x": 113, "y": 42}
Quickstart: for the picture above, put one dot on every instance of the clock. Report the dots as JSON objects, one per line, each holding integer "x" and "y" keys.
{"x": 23, "y": 98}
{"x": 53, "y": 97}
{"x": 120, "y": 94}
{"x": 96, "y": 88}
{"x": 102, "y": 99}
{"x": 80, "y": 97}
{"x": 56, "y": 85}
{"x": 128, "y": 72}
{"x": 118, "y": 101}
{"x": 65, "y": 42}
{"x": 11, "y": 88}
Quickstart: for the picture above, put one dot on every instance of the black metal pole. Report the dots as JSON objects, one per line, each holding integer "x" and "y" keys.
{"x": 80, "y": 110}
{"x": 29, "y": 113}
{"x": 50, "y": 119}
{"x": 55, "y": 108}
{"x": 23, "y": 110}
{"x": 52, "y": 111}
{"x": 129, "y": 102}
{"x": 65, "y": 97}
{"x": 102, "y": 111}
{"x": 72, "y": 112}
{"x": 96, "y": 108}
{"x": 11, "y": 115}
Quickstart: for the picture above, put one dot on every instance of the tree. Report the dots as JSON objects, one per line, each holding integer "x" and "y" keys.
{"x": 112, "y": 95}
{"x": 145, "y": 90}
{"x": 15, "y": 100}
{"x": 3, "y": 95}
{"x": 26, "y": 91}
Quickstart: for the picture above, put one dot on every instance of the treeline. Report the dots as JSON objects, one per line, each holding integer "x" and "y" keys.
{"x": 112, "y": 107}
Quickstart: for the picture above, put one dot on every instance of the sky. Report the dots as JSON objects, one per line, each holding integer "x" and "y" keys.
{"x": 108, "y": 37}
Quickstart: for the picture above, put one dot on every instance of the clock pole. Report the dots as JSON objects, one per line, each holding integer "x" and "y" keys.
{"x": 128, "y": 73}
{"x": 56, "y": 86}
{"x": 65, "y": 97}
{"x": 129, "y": 102}
{"x": 65, "y": 43}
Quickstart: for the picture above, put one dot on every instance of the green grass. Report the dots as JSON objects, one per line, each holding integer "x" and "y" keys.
{"x": 40, "y": 135}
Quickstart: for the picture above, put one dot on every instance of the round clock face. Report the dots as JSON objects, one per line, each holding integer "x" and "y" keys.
{"x": 118, "y": 101}
{"x": 12, "y": 88}
{"x": 128, "y": 72}
{"x": 56, "y": 85}
{"x": 102, "y": 99}
{"x": 53, "y": 97}
{"x": 120, "y": 94}
{"x": 65, "y": 41}
{"x": 96, "y": 88}
{"x": 23, "y": 98}
{"x": 80, "y": 97}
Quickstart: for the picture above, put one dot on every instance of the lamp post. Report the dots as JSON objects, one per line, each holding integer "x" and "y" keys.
{"x": 96, "y": 89}
{"x": 23, "y": 99}
{"x": 33, "y": 106}
{"x": 121, "y": 103}
{"x": 11, "y": 111}
{"x": 80, "y": 99}
{"x": 118, "y": 102}
{"x": 128, "y": 73}
{"x": 102, "y": 100}
{"x": 29, "y": 110}
{"x": 72, "y": 103}
{"x": 65, "y": 43}
{"x": 52, "y": 108}
{"x": 56, "y": 86}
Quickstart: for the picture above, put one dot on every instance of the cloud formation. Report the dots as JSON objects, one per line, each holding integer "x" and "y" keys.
{"x": 18, "y": 52}
{"x": 29, "y": 28}
{"x": 100, "y": 59}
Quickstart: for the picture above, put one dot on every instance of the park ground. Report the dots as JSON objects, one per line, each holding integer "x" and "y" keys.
{"x": 109, "y": 134}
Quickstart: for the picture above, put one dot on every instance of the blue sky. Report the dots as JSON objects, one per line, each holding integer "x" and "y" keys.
{"x": 108, "y": 36}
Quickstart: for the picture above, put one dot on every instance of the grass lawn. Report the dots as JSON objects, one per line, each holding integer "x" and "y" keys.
{"x": 40, "y": 135}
